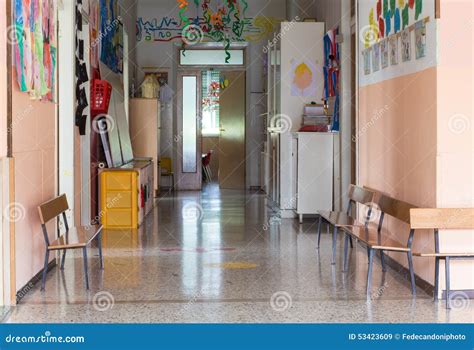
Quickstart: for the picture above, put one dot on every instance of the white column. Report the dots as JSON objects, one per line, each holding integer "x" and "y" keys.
{"x": 66, "y": 102}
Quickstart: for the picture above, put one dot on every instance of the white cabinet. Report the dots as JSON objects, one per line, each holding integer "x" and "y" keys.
{"x": 315, "y": 172}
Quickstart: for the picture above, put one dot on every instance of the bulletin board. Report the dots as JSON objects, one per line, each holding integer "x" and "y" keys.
{"x": 396, "y": 38}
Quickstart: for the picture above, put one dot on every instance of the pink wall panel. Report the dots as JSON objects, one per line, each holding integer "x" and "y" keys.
{"x": 397, "y": 138}
{"x": 34, "y": 152}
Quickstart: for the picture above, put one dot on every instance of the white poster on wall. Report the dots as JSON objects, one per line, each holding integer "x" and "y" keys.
{"x": 303, "y": 78}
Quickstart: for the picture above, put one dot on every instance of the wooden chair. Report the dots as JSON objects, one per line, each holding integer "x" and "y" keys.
{"x": 166, "y": 166}
{"x": 373, "y": 238}
{"x": 340, "y": 219}
{"x": 75, "y": 238}
{"x": 449, "y": 219}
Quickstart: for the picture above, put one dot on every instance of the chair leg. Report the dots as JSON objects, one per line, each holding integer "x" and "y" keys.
{"x": 86, "y": 274}
{"x": 319, "y": 230}
{"x": 45, "y": 269}
{"x": 382, "y": 259}
{"x": 346, "y": 251}
{"x": 436, "y": 279}
{"x": 63, "y": 259}
{"x": 412, "y": 273}
{"x": 99, "y": 243}
{"x": 369, "y": 271}
{"x": 350, "y": 240}
{"x": 334, "y": 242}
{"x": 172, "y": 182}
{"x": 446, "y": 262}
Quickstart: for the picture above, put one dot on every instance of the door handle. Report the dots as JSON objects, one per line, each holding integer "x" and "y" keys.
{"x": 222, "y": 130}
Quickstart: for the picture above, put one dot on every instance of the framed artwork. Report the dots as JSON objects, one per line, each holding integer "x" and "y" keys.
{"x": 406, "y": 45}
{"x": 384, "y": 53}
{"x": 376, "y": 57}
{"x": 393, "y": 48}
{"x": 366, "y": 58}
{"x": 420, "y": 39}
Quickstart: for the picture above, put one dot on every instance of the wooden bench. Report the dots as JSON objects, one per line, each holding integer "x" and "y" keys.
{"x": 340, "y": 219}
{"x": 436, "y": 219}
{"x": 74, "y": 238}
{"x": 375, "y": 240}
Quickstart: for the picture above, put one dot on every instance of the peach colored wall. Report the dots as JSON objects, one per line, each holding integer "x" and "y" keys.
{"x": 455, "y": 163}
{"x": 397, "y": 149}
{"x": 34, "y": 137}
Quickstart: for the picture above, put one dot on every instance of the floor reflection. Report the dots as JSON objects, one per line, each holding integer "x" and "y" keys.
{"x": 220, "y": 256}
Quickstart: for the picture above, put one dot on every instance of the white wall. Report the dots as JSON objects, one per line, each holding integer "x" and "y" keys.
{"x": 163, "y": 56}
{"x": 296, "y": 47}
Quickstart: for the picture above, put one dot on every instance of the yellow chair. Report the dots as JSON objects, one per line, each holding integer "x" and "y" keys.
{"x": 166, "y": 166}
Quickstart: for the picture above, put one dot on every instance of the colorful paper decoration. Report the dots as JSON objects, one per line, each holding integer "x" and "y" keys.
{"x": 381, "y": 27}
{"x": 111, "y": 29}
{"x": 35, "y": 47}
{"x": 224, "y": 22}
{"x": 418, "y": 9}
{"x": 388, "y": 23}
{"x": 405, "y": 17}
{"x": 397, "y": 21}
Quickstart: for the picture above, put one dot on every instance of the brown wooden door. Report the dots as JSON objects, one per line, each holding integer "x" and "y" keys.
{"x": 232, "y": 135}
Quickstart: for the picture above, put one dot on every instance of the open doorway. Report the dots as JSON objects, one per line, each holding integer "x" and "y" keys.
{"x": 211, "y": 123}
{"x": 223, "y": 128}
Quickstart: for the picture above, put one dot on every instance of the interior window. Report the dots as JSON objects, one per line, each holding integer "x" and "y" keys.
{"x": 210, "y": 102}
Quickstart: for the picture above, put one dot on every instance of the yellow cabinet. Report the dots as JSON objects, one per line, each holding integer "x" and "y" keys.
{"x": 126, "y": 195}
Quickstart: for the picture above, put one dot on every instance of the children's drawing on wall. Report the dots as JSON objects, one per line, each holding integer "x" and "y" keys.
{"x": 384, "y": 53}
{"x": 35, "y": 47}
{"x": 376, "y": 57}
{"x": 303, "y": 80}
{"x": 420, "y": 39}
{"x": 393, "y": 43}
{"x": 406, "y": 45}
{"x": 366, "y": 58}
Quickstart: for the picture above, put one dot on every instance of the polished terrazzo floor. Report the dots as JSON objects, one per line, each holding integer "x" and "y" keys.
{"x": 225, "y": 256}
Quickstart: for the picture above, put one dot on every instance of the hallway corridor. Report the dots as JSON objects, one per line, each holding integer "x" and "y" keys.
{"x": 224, "y": 256}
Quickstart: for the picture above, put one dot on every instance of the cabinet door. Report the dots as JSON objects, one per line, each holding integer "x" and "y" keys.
{"x": 315, "y": 172}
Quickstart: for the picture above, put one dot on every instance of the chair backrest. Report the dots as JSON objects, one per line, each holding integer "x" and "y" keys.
{"x": 166, "y": 164}
{"x": 361, "y": 195}
{"x": 394, "y": 207}
{"x": 207, "y": 159}
{"x": 52, "y": 208}
{"x": 442, "y": 218}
